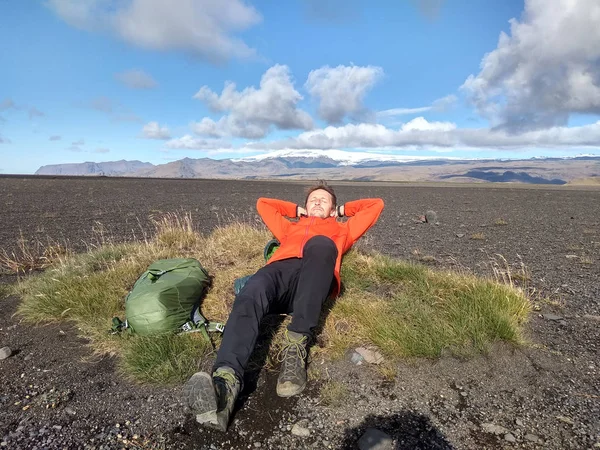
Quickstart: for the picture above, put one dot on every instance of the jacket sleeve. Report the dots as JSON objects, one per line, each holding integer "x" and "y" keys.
{"x": 363, "y": 215}
{"x": 273, "y": 213}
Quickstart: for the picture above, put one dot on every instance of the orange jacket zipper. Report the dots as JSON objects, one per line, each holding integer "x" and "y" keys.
{"x": 312, "y": 220}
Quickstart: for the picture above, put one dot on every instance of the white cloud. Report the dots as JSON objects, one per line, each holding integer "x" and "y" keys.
{"x": 252, "y": 112}
{"x": 440, "y": 105}
{"x": 420, "y": 124}
{"x": 340, "y": 90}
{"x": 203, "y": 28}
{"x": 79, "y": 142}
{"x": 136, "y": 79}
{"x": 152, "y": 130}
{"x": 54, "y": 138}
{"x": 188, "y": 142}
{"x": 546, "y": 70}
{"x": 419, "y": 133}
{"x": 101, "y": 150}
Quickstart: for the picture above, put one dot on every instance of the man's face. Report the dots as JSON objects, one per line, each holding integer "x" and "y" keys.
{"x": 320, "y": 204}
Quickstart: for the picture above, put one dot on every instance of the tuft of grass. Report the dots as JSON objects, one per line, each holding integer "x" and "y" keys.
{"x": 500, "y": 222}
{"x": 477, "y": 236}
{"x": 30, "y": 256}
{"x": 422, "y": 312}
{"x": 404, "y": 309}
{"x": 334, "y": 393}
{"x": 166, "y": 358}
{"x": 6, "y": 290}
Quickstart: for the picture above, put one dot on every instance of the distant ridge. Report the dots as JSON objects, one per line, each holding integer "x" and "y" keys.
{"x": 111, "y": 168}
{"x": 343, "y": 165}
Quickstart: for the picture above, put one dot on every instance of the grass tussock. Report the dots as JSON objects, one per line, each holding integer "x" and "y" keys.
{"x": 403, "y": 309}
{"x": 334, "y": 393}
{"x": 30, "y": 256}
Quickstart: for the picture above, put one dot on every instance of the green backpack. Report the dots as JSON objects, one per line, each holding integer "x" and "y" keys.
{"x": 166, "y": 298}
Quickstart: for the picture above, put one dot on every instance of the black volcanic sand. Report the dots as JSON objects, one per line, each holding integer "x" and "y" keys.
{"x": 544, "y": 395}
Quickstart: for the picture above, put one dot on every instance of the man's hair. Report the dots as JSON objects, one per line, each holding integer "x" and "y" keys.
{"x": 322, "y": 184}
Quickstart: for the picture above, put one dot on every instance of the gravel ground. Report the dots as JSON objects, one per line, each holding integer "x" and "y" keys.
{"x": 56, "y": 394}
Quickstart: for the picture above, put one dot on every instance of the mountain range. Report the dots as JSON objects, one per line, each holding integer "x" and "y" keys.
{"x": 343, "y": 165}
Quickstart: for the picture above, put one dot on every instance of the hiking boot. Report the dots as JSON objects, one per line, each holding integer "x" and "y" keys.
{"x": 199, "y": 397}
{"x": 292, "y": 379}
{"x": 212, "y": 399}
{"x": 227, "y": 388}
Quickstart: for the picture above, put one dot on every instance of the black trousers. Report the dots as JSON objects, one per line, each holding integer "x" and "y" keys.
{"x": 294, "y": 285}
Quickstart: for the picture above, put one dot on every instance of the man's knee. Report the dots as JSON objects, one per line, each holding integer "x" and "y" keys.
{"x": 322, "y": 245}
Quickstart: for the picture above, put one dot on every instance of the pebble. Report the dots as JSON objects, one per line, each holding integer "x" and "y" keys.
{"x": 299, "y": 430}
{"x": 510, "y": 438}
{"x": 566, "y": 420}
{"x": 5, "y": 352}
{"x": 494, "y": 429}
{"x": 70, "y": 411}
{"x": 356, "y": 358}
{"x": 551, "y": 317}
{"x": 374, "y": 439}
{"x": 370, "y": 356}
{"x": 519, "y": 422}
{"x": 257, "y": 445}
{"x": 532, "y": 437}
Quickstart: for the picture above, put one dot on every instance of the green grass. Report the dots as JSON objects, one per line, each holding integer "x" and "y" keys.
{"x": 334, "y": 393}
{"x": 6, "y": 290}
{"x": 406, "y": 310}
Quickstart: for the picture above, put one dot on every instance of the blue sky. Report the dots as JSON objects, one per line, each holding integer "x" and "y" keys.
{"x": 104, "y": 80}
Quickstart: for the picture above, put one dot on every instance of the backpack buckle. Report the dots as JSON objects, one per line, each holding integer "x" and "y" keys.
{"x": 220, "y": 327}
{"x": 186, "y": 326}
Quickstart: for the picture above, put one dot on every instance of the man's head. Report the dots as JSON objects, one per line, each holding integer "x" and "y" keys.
{"x": 320, "y": 201}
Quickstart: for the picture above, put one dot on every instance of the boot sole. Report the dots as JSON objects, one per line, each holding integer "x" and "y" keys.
{"x": 199, "y": 397}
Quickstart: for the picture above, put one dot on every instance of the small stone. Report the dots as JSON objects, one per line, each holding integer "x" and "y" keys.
{"x": 57, "y": 427}
{"x": 460, "y": 235}
{"x": 5, "y": 352}
{"x": 70, "y": 411}
{"x": 374, "y": 439}
{"x": 370, "y": 356}
{"x": 510, "y": 438}
{"x": 494, "y": 429}
{"x": 356, "y": 358}
{"x": 431, "y": 217}
{"x": 519, "y": 422}
{"x": 531, "y": 437}
{"x": 257, "y": 445}
{"x": 551, "y": 317}
{"x": 566, "y": 420}
{"x": 28, "y": 357}
{"x": 299, "y": 430}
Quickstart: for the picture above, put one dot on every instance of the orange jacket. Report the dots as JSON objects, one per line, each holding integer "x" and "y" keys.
{"x": 293, "y": 235}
